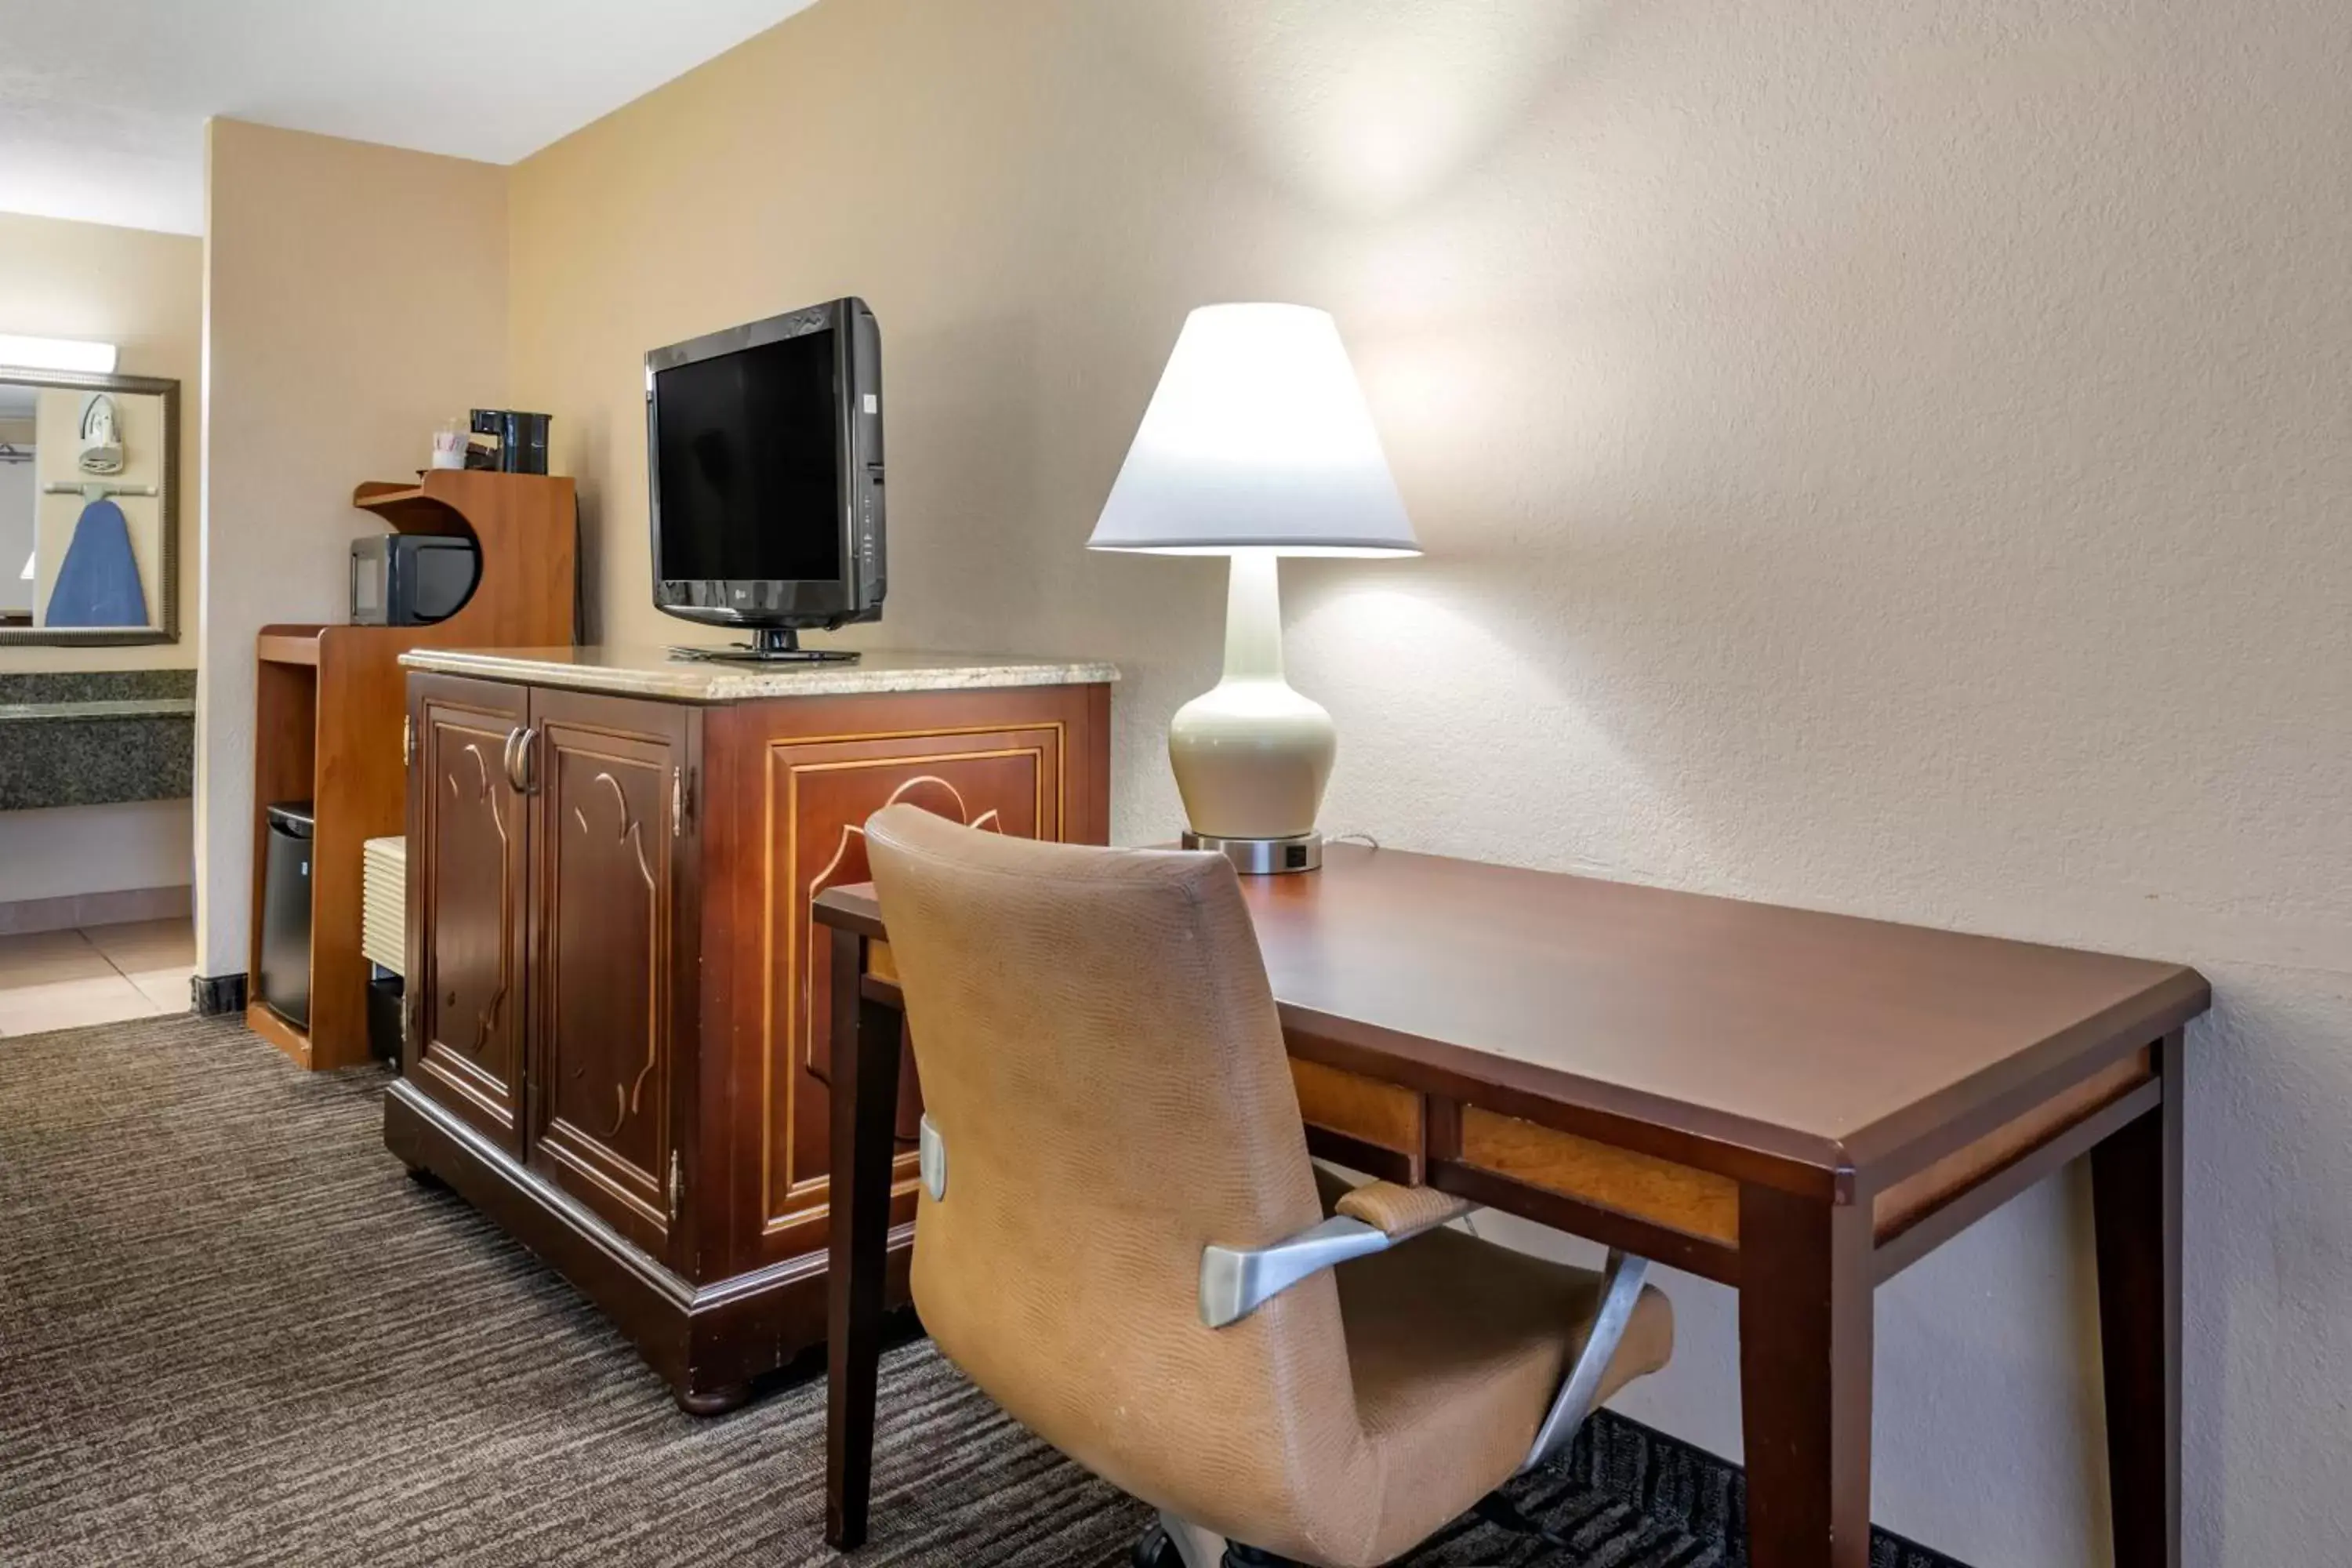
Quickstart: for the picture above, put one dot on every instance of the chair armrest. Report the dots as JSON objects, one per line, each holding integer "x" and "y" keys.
{"x": 1621, "y": 1291}
{"x": 1400, "y": 1212}
{"x": 1236, "y": 1282}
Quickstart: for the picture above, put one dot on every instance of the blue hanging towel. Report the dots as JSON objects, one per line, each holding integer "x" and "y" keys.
{"x": 98, "y": 585}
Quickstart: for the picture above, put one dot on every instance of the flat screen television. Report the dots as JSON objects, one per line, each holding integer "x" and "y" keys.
{"x": 764, "y": 458}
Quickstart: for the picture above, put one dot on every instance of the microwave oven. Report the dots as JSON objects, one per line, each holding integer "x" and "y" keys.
{"x": 411, "y": 579}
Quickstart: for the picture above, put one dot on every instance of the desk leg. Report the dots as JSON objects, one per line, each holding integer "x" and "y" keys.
{"x": 1804, "y": 1379}
{"x": 864, "y": 1106}
{"x": 2135, "y": 1205}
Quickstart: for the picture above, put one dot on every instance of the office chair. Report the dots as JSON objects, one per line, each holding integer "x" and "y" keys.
{"x": 1121, "y": 1237}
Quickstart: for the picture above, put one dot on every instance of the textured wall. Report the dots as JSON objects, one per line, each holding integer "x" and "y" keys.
{"x": 1890, "y": 458}
{"x": 355, "y": 297}
{"x": 66, "y": 850}
{"x": 143, "y": 293}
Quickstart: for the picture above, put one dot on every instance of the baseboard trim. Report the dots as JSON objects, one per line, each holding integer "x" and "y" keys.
{"x": 73, "y": 910}
{"x": 1668, "y": 1479}
{"x": 211, "y": 995}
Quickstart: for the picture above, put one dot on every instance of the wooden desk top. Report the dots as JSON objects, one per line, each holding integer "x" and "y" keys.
{"x": 1744, "y": 1037}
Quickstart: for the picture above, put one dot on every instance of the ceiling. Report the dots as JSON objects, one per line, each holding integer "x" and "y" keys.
{"x": 102, "y": 105}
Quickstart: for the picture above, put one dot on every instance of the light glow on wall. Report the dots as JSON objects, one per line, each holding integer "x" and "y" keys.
{"x": 1368, "y": 109}
{"x": 1428, "y": 649}
{"x": 19, "y": 352}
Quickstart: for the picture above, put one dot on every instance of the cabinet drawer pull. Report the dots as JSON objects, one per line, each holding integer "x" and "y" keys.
{"x": 522, "y": 772}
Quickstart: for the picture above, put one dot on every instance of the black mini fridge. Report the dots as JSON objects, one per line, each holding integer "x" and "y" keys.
{"x": 284, "y": 983}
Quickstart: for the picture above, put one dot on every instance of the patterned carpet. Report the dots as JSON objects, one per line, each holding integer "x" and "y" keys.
{"x": 233, "y": 1332}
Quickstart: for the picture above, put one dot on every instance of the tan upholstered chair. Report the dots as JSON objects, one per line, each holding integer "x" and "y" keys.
{"x": 1121, "y": 1240}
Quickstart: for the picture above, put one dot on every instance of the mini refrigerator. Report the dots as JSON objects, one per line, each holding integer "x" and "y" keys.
{"x": 284, "y": 983}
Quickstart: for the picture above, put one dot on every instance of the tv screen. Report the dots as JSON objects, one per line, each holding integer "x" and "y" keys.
{"x": 749, "y": 455}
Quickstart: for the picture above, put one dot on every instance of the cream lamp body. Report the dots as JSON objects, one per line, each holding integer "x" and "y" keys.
{"x": 1258, "y": 444}
{"x": 1252, "y": 754}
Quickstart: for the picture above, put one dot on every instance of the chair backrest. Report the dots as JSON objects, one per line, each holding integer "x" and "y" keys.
{"x": 1101, "y": 1059}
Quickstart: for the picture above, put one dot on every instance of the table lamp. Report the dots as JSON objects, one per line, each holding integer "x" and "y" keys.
{"x": 1258, "y": 444}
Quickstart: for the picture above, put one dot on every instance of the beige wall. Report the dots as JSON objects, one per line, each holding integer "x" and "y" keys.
{"x": 1889, "y": 458}
{"x": 354, "y": 298}
{"x": 144, "y": 293}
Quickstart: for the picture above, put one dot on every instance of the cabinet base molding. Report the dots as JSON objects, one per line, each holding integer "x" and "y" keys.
{"x": 708, "y": 1343}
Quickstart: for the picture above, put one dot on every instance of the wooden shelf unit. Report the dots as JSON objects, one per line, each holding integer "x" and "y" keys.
{"x": 331, "y": 706}
{"x": 289, "y": 645}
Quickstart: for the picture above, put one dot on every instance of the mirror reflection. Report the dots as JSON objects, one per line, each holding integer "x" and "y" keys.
{"x": 85, "y": 506}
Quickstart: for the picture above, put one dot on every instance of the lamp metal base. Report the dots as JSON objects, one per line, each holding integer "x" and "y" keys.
{"x": 1263, "y": 856}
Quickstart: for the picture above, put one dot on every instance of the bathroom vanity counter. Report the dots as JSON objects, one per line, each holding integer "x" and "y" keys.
{"x": 97, "y": 738}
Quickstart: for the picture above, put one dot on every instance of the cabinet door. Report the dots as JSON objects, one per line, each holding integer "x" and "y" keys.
{"x": 819, "y": 794}
{"x": 610, "y": 1011}
{"x": 467, "y": 902}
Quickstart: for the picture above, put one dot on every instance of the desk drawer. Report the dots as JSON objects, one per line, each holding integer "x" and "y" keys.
{"x": 1385, "y": 1115}
{"x": 1696, "y": 1202}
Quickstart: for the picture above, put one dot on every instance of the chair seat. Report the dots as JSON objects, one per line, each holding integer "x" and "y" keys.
{"x": 1458, "y": 1347}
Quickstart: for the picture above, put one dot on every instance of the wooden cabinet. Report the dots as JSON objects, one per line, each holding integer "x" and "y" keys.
{"x": 469, "y": 876}
{"x": 614, "y": 982}
{"x": 822, "y": 793}
{"x": 619, "y": 1041}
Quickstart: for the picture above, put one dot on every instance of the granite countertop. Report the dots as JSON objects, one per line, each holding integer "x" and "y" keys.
{"x": 122, "y": 708}
{"x": 96, "y": 737}
{"x": 48, "y": 686}
{"x": 652, "y": 672}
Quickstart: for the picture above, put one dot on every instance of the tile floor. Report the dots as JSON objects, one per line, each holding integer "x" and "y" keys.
{"x": 63, "y": 979}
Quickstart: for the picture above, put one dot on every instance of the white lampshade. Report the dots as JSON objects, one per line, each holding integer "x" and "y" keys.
{"x": 1258, "y": 438}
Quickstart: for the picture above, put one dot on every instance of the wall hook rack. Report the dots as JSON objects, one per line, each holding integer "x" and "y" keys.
{"x": 93, "y": 491}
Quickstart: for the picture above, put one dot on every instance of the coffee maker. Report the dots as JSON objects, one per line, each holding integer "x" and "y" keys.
{"x": 509, "y": 441}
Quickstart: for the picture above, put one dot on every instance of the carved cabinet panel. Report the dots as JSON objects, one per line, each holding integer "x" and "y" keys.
{"x": 607, "y": 1012}
{"x": 468, "y": 882}
{"x": 818, "y": 796}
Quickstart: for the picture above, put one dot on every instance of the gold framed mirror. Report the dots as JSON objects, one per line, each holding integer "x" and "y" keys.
{"x": 90, "y": 508}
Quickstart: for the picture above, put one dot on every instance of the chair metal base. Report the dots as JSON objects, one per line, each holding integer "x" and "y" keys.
{"x": 1240, "y": 1556}
{"x": 1174, "y": 1542}
{"x": 1168, "y": 1542}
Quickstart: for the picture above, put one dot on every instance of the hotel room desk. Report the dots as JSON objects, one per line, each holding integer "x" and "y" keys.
{"x": 1797, "y": 1105}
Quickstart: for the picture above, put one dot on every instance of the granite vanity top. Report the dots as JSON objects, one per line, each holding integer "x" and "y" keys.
{"x": 20, "y": 688}
{"x": 96, "y": 737}
{"x": 123, "y": 708}
{"x": 652, "y": 672}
